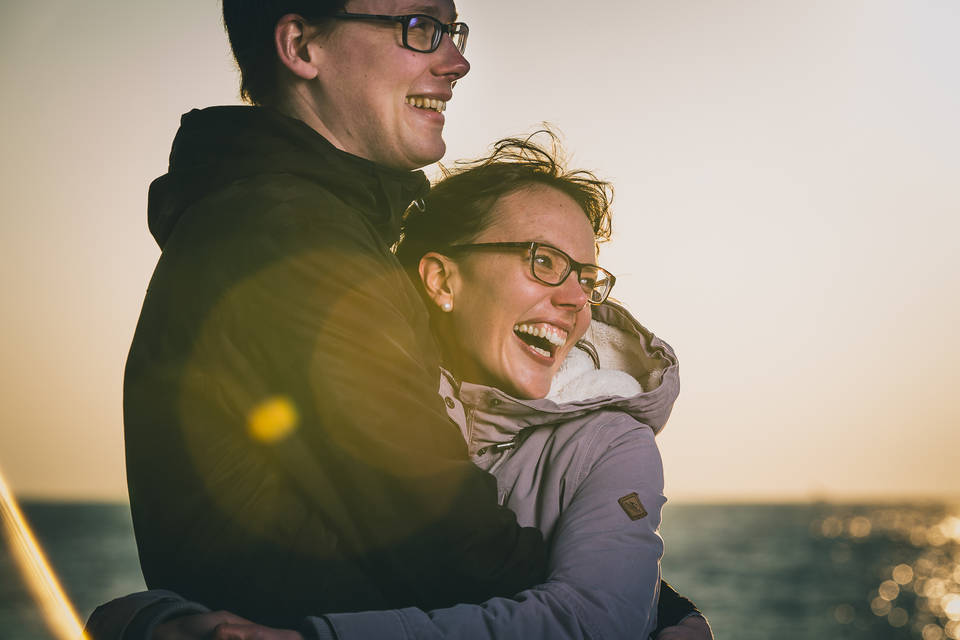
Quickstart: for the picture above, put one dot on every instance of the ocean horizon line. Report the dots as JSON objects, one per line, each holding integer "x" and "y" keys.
{"x": 917, "y": 499}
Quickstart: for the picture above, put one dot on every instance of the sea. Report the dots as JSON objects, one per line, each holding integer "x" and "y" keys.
{"x": 759, "y": 572}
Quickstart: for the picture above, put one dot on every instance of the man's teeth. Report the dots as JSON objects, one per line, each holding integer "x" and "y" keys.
{"x": 427, "y": 103}
{"x": 551, "y": 334}
{"x": 543, "y": 352}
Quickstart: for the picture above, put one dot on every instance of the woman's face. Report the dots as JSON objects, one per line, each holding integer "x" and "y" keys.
{"x": 497, "y": 303}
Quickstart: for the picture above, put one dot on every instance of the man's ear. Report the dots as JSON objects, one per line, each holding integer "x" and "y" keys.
{"x": 292, "y": 38}
{"x": 439, "y": 276}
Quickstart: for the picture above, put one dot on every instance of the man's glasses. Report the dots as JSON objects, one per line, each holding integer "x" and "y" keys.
{"x": 421, "y": 32}
{"x": 551, "y": 266}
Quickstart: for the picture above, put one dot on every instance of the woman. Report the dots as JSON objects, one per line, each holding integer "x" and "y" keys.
{"x": 566, "y": 425}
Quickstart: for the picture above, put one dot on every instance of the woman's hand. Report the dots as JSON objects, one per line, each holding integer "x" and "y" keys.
{"x": 691, "y": 628}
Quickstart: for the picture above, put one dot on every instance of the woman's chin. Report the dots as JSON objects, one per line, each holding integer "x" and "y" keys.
{"x": 528, "y": 389}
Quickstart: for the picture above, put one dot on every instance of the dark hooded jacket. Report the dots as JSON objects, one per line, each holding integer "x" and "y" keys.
{"x": 287, "y": 452}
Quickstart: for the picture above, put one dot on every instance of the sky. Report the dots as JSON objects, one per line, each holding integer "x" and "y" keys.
{"x": 787, "y": 217}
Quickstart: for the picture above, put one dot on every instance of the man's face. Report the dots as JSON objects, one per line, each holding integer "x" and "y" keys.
{"x": 368, "y": 85}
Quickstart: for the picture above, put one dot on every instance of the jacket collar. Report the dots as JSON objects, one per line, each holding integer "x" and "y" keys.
{"x": 220, "y": 145}
{"x": 487, "y": 416}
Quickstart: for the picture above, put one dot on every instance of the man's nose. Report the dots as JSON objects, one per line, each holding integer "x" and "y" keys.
{"x": 450, "y": 62}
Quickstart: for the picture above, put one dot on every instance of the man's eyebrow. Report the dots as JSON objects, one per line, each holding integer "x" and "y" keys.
{"x": 426, "y": 9}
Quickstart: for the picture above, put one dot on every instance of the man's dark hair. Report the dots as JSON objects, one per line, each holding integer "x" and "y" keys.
{"x": 458, "y": 207}
{"x": 250, "y": 25}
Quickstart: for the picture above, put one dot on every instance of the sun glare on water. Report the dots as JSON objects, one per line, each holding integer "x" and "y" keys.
{"x": 58, "y": 613}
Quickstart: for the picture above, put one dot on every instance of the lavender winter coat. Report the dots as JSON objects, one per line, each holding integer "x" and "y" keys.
{"x": 582, "y": 466}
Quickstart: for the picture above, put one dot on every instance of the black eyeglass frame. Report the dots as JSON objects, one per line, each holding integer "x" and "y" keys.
{"x": 572, "y": 265}
{"x": 451, "y": 29}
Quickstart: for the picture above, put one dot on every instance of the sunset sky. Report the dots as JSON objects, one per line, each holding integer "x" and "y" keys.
{"x": 787, "y": 217}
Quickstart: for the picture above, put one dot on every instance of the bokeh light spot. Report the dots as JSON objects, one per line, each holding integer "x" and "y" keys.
{"x": 903, "y": 574}
{"x": 880, "y": 607}
{"x": 935, "y": 588}
{"x": 953, "y": 630}
{"x": 272, "y": 420}
{"x": 889, "y": 590}
{"x": 860, "y": 527}
{"x": 898, "y": 617}
{"x": 831, "y": 527}
{"x": 950, "y": 527}
{"x": 951, "y": 606}
{"x": 932, "y": 632}
{"x": 843, "y": 613}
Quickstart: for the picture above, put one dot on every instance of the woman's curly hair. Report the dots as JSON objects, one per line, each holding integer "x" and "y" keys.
{"x": 458, "y": 206}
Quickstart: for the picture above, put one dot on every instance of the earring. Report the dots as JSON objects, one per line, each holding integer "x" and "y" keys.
{"x": 447, "y": 306}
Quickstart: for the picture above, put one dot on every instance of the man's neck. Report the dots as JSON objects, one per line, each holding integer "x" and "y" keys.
{"x": 300, "y": 107}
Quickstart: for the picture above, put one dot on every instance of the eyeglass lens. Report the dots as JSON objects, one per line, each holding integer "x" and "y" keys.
{"x": 424, "y": 33}
{"x": 552, "y": 267}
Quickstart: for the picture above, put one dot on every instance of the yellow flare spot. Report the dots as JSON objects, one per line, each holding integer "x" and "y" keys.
{"x": 860, "y": 527}
{"x": 903, "y": 574}
{"x": 272, "y": 420}
{"x": 58, "y": 612}
{"x": 889, "y": 590}
{"x": 898, "y": 617}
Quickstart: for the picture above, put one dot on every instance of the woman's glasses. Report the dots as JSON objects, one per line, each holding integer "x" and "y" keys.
{"x": 551, "y": 266}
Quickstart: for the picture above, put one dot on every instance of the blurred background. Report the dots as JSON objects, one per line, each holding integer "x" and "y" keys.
{"x": 787, "y": 215}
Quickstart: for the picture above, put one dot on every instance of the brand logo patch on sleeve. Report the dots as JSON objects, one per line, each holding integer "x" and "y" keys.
{"x": 632, "y": 505}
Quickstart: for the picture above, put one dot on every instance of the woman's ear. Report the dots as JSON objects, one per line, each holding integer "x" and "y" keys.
{"x": 292, "y": 38}
{"x": 438, "y": 273}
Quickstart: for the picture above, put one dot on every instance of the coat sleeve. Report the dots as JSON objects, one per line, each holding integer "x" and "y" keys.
{"x": 604, "y": 569}
{"x": 603, "y": 582}
{"x": 316, "y": 468}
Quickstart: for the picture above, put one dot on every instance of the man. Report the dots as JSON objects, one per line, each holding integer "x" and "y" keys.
{"x": 287, "y": 452}
{"x": 286, "y": 448}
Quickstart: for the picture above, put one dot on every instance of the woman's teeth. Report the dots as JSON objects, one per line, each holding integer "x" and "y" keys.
{"x": 551, "y": 334}
{"x": 543, "y": 352}
{"x": 427, "y": 103}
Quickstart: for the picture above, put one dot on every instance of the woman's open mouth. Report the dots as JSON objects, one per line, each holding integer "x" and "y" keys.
{"x": 542, "y": 339}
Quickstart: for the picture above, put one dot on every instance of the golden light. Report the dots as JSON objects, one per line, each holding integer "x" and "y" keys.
{"x": 58, "y": 613}
{"x": 272, "y": 420}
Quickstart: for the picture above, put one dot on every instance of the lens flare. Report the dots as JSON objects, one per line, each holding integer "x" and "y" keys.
{"x": 58, "y": 613}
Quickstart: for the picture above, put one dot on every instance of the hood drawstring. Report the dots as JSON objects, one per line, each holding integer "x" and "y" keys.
{"x": 497, "y": 448}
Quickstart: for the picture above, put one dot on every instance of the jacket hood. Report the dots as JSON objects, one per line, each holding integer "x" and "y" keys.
{"x": 221, "y": 145}
{"x": 621, "y": 366}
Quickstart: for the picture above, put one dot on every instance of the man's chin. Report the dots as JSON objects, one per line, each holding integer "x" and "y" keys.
{"x": 428, "y": 154}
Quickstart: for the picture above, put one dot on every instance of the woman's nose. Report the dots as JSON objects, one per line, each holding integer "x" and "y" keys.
{"x": 569, "y": 293}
